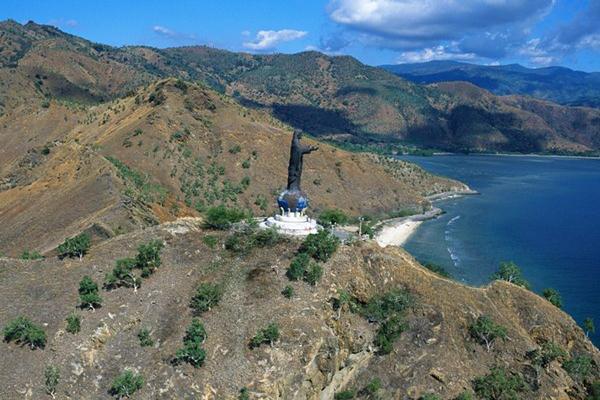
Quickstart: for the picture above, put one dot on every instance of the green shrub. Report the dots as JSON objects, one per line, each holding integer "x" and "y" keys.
{"x": 510, "y": 272}
{"x": 320, "y": 246}
{"x": 126, "y": 384}
{"x": 499, "y": 385}
{"x": 298, "y": 267}
{"x": 372, "y": 387}
{"x": 329, "y": 218}
{"x": 313, "y": 273}
{"x": 148, "y": 257}
{"x": 246, "y": 164}
{"x": 250, "y": 237}
{"x": 31, "y": 255}
{"x": 269, "y": 335}
{"x": 144, "y": 337}
{"x": 77, "y": 246}
{"x": 22, "y": 330}
{"x": 388, "y": 332}
{"x": 235, "y": 149}
{"x": 210, "y": 240}
{"x": 553, "y": 297}
{"x": 388, "y": 310}
{"x": 244, "y": 394}
{"x": 579, "y": 367}
{"x": 430, "y": 396}
{"x": 594, "y": 391}
{"x": 221, "y": 217}
{"x": 486, "y": 331}
{"x": 438, "y": 269}
{"x": 345, "y": 395}
{"x": 464, "y": 396}
{"x": 88, "y": 293}
{"x": 122, "y": 275}
{"x": 206, "y": 297}
{"x": 288, "y": 292}
{"x": 548, "y": 352}
{"x": 51, "y": 378}
{"x": 73, "y": 323}
{"x": 192, "y": 351}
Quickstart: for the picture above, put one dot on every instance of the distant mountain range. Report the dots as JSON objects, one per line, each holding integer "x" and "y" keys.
{"x": 558, "y": 84}
{"x": 335, "y": 98}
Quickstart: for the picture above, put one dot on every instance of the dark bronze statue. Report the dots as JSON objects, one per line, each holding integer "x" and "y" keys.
{"x": 297, "y": 151}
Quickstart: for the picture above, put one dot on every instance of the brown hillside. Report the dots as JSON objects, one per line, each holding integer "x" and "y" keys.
{"x": 319, "y": 352}
{"x": 180, "y": 148}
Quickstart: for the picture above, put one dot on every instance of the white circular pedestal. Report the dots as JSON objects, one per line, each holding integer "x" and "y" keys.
{"x": 295, "y": 224}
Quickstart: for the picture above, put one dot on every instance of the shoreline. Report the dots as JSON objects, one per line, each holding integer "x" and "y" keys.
{"x": 516, "y": 155}
{"x": 397, "y": 231}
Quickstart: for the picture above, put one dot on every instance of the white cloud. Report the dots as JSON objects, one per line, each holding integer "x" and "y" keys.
{"x": 433, "y": 53}
{"x": 536, "y": 53}
{"x": 172, "y": 35}
{"x": 268, "y": 40}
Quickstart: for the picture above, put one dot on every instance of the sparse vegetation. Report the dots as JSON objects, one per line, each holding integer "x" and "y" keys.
{"x": 499, "y": 384}
{"x": 221, "y": 217}
{"x": 73, "y": 323}
{"x": 345, "y": 395}
{"x": 51, "y": 378}
{"x": 31, "y": 255}
{"x": 206, "y": 297}
{"x": 242, "y": 241}
{"x": 235, "y": 149}
{"x": 430, "y": 396}
{"x": 298, "y": 267}
{"x": 244, "y": 394}
{"x": 288, "y": 292}
{"x": 266, "y": 335}
{"x": 320, "y": 246}
{"x": 77, "y": 246}
{"x": 88, "y": 293}
{"x": 579, "y": 367}
{"x": 210, "y": 240}
{"x": 510, "y": 272}
{"x": 139, "y": 186}
{"x": 126, "y": 384}
{"x": 22, "y": 330}
{"x": 553, "y": 297}
{"x": 486, "y": 331}
{"x": 438, "y": 269}
{"x": 548, "y": 352}
{"x": 144, "y": 337}
{"x": 329, "y": 218}
{"x": 588, "y": 326}
{"x": 313, "y": 274}
{"x": 192, "y": 351}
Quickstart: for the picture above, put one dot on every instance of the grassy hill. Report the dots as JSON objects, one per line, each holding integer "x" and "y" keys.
{"x": 557, "y": 84}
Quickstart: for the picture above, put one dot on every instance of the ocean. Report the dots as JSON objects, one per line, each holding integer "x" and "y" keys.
{"x": 543, "y": 213}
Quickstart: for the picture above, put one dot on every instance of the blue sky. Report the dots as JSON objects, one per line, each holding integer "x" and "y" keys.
{"x": 531, "y": 32}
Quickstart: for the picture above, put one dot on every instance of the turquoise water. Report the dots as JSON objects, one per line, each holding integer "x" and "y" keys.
{"x": 543, "y": 213}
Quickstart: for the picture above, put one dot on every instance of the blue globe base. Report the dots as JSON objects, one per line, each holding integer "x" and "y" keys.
{"x": 292, "y": 200}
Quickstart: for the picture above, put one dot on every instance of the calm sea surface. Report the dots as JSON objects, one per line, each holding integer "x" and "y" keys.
{"x": 543, "y": 213}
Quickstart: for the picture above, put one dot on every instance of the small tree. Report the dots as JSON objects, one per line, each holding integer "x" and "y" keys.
{"x": 73, "y": 323}
{"x": 553, "y": 297}
{"x": 126, "y": 384}
{"x": 192, "y": 351}
{"x": 31, "y": 255}
{"x": 77, "y": 246}
{"x": 144, "y": 337}
{"x": 548, "y": 352}
{"x": 207, "y": 296}
{"x": 122, "y": 275}
{"x": 288, "y": 292}
{"x": 588, "y": 326}
{"x": 499, "y": 385}
{"x": 51, "y": 378}
{"x": 298, "y": 267}
{"x": 320, "y": 245}
{"x": 269, "y": 335}
{"x": 579, "y": 367}
{"x": 510, "y": 272}
{"x": 486, "y": 331}
{"x": 88, "y": 293}
{"x": 22, "y": 330}
{"x": 148, "y": 257}
{"x": 313, "y": 273}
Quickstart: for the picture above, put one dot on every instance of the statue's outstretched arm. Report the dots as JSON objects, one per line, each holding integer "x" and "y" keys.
{"x": 308, "y": 149}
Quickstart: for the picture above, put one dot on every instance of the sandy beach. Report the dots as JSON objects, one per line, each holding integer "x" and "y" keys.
{"x": 396, "y": 234}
